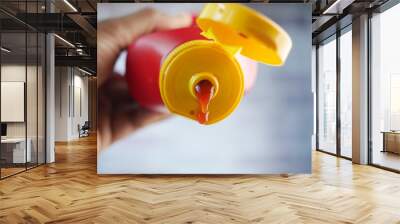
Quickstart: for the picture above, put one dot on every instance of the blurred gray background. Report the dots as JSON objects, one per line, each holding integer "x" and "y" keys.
{"x": 270, "y": 131}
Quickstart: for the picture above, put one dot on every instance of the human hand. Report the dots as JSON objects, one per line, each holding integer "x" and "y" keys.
{"x": 118, "y": 114}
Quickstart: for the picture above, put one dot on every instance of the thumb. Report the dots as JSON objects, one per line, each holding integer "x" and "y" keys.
{"x": 115, "y": 35}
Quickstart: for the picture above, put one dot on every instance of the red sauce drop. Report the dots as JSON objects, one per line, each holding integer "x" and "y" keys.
{"x": 204, "y": 92}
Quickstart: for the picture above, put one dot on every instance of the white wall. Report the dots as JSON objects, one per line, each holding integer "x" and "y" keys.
{"x": 17, "y": 73}
{"x": 70, "y": 83}
{"x": 61, "y": 103}
{"x": 81, "y": 84}
{"x": 12, "y": 73}
{"x": 12, "y": 101}
{"x": 33, "y": 126}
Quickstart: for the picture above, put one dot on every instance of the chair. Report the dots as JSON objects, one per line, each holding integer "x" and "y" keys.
{"x": 84, "y": 130}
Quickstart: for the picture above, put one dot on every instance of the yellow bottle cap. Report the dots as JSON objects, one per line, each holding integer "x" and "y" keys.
{"x": 243, "y": 29}
{"x": 192, "y": 62}
{"x": 231, "y": 28}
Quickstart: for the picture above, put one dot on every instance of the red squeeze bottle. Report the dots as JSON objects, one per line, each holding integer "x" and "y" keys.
{"x": 144, "y": 60}
{"x": 146, "y": 57}
{"x": 201, "y": 72}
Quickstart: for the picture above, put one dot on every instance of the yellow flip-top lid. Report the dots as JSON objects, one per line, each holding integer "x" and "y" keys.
{"x": 243, "y": 29}
{"x": 230, "y": 28}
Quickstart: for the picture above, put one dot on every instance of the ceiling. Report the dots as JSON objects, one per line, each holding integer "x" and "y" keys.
{"x": 332, "y": 15}
{"x": 75, "y": 21}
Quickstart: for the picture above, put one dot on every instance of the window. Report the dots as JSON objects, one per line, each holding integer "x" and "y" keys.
{"x": 330, "y": 134}
{"x": 327, "y": 96}
{"x": 346, "y": 93}
{"x": 385, "y": 89}
{"x": 22, "y": 88}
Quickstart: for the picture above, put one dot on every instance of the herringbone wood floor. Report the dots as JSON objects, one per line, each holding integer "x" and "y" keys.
{"x": 70, "y": 191}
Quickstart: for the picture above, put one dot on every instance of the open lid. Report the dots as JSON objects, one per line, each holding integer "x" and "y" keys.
{"x": 239, "y": 28}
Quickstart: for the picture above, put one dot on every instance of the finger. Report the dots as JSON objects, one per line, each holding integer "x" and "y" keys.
{"x": 131, "y": 27}
{"x": 104, "y": 135}
{"x": 166, "y": 22}
{"x": 115, "y": 35}
{"x": 104, "y": 127}
{"x": 127, "y": 116}
{"x": 119, "y": 114}
{"x": 104, "y": 132}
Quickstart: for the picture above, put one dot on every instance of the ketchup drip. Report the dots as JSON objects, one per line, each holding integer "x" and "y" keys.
{"x": 204, "y": 93}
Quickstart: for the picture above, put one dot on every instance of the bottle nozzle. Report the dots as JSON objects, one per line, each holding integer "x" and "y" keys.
{"x": 204, "y": 88}
{"x": 204, "y": 92}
